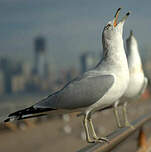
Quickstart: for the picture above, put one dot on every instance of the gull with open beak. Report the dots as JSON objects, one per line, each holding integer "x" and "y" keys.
{"x": 137, "y": 81}
{"x": 96, "y": 89}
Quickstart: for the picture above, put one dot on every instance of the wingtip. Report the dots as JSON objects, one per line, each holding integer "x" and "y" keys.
{"x": 9, "y": 119}
{"x": 6, "y": 120}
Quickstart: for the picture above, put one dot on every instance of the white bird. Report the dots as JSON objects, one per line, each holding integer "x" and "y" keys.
{"x": 96, "y": 89}
{"x": 137, "y": 81}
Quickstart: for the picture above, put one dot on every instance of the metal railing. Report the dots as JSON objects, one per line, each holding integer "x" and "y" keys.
{"x": 117, "y": 136}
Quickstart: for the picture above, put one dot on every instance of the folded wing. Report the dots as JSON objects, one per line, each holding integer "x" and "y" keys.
{"x": 78, "y": 93}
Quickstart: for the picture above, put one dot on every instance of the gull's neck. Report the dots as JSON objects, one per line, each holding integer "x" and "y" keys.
{"x": 113, "y": 52}
{"x": 133, "y": 53}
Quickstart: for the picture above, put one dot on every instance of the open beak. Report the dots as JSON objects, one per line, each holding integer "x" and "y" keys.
{"x": 116, "y": 17}
{"x": 125, "y": 17}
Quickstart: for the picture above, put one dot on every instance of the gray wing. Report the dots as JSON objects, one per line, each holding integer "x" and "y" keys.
{"x": 78, "y": 93}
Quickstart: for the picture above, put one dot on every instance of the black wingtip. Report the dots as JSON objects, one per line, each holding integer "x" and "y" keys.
{"x": 27, "y": 113}
{"x": 7, "y": 120}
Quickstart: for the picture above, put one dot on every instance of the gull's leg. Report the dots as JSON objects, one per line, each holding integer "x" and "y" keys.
{"x": 92, "y": 128}
{"x": 117, "y": 114}
{"x": 100, "y": 139}
{"x": 126, "y": 122}
{"x": 85, "y": 123}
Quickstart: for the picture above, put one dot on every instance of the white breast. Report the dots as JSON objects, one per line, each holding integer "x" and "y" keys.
{"x": 135, "y": 84}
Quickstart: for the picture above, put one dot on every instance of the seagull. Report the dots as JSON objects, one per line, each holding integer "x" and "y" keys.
{"x": 137, "y": 81}
{"x": 93, "y": 90}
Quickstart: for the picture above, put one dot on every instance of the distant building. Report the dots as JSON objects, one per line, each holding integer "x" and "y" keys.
{"x": 88, "y": 60}
{"x": 2, "y": 85}
{"x": 18, "y": 83}
{"x": 26, "y": 70}
{"x": 40, "y": 64}
{"x": 7, "y": 73}
{"x": 9, "y": 69}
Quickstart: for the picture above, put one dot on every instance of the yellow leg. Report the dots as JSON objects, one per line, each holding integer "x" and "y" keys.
{"x": 85, "y": 123}
{"x": 126, "y": 122}
{"x": 116, "y": 113}
{"x": 100, "y": 139}
{"x": 92, "y": 128}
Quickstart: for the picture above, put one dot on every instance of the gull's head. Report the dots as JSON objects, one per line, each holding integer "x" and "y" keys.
{"x": 114, "y": 28}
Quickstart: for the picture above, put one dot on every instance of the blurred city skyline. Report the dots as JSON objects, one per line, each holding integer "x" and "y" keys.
{"x": 70, "y": 27}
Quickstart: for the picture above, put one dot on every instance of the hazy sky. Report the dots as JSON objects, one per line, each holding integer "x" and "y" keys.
{"x": 70, "y": 26}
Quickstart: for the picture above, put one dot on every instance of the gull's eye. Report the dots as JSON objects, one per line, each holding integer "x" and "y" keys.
{"x": 107, "y": 26}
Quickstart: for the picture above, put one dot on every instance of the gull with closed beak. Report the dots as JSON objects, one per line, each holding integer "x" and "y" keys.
{"x": 96, "y": 89}
{"x": 137, "y": 81}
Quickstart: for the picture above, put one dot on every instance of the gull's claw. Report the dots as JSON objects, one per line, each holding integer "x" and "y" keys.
{"x": 101, "y": 139}
{"x": 104, "y": 139}
{"x": 91, "y": 141}
{"x": 127, "y": 124}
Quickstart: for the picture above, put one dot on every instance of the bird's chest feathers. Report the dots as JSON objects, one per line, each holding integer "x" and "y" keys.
{"x": 136, "y": 69}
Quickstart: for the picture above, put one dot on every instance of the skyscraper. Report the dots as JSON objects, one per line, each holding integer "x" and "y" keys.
{"x": 40, "y": 61}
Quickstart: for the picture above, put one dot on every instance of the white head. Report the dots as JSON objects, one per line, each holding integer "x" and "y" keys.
{"x": 113, "y": 30}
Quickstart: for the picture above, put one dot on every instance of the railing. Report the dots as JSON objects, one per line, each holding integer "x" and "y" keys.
{"x": 117, "y": 136}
